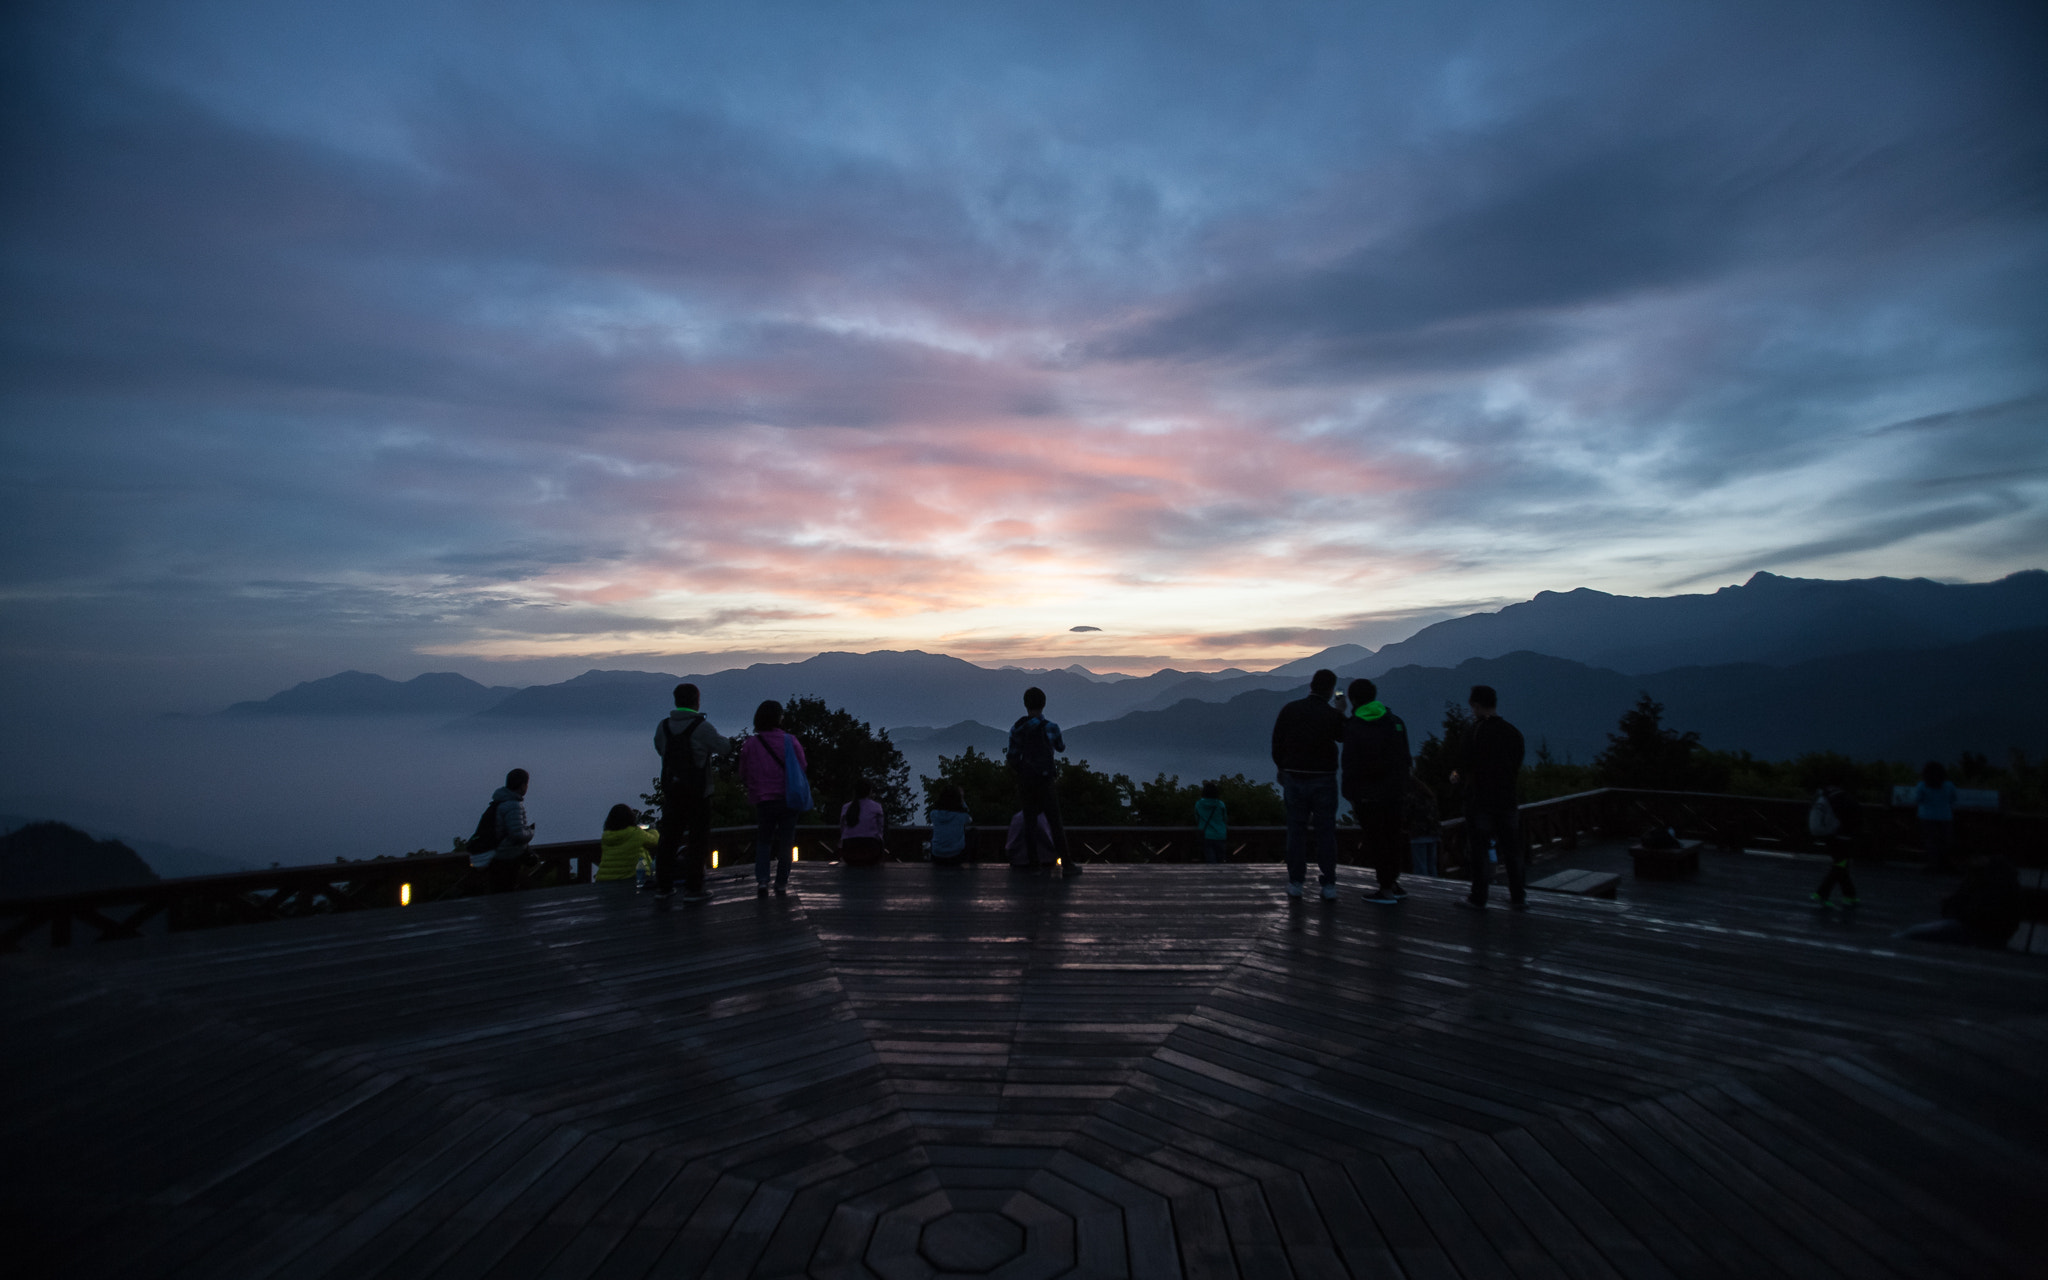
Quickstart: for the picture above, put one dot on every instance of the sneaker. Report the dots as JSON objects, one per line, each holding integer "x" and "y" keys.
{"x": 1851, "y": 902}
{"x": 1816, "y": 900}
{"x": 1068, "y": 870}
{"x": 1518, "y": 904}
{"x": 761, "y": 890}
{"x": 692, "y": 899}
{"x": 1380, "y": 897}
{"x": 1469, "y": 905}
{"x": 1294, "y": 888}
{"x": 1397, "y": 892}
{"x": 1329, "y": 893}
{"x": 660, "y": 898}
{"x": 781, "y": 890}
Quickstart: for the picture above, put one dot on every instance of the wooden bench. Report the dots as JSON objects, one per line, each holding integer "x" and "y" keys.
{"x": 1586, "y": 884}
{"x": 1666, "y": 864}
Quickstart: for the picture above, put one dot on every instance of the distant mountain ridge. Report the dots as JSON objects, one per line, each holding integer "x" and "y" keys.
{"x": 1770, "y": 620}
{"x": 884, "y": 688}
{"x": 1988, "y": 694}
{"x": 360, "y": 693}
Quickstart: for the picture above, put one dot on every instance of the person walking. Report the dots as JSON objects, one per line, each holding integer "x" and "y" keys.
{"x": 1835, "y": 821}
{"x": 1212, "y": 824}
{"x": 1030, "y": 755}
{"x": 862, "y": 821}
{"x": 687, "y": 744}
{"x": 1305, "y": 738}
{"x": 1377, "y": 763}
{"x": 511, "y": 835}
{"x": 1492, "y": 767}
{"x": 765, "y": 760}
{"x": 1934, "y": 803}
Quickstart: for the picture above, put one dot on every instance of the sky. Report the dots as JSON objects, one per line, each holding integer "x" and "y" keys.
{"x": 519, "y": 339}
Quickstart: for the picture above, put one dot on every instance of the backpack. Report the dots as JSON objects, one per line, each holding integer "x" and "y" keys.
{"x": 678, "y": 767}
{"x": 486, "y": 837}
{"x": 1030, "y": 749}
{"x": 1821, "y": 819}
{"x": 796, "y": 788}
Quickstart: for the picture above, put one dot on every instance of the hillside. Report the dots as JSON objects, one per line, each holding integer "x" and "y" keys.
{"x": 1987, "y": 695}
{"x": 50, "y": 857}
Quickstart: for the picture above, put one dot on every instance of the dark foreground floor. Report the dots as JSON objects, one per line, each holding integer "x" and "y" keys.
{"x": 1149, "y": 1071}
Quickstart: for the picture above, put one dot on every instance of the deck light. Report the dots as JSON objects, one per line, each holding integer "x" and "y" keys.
{"x": 792, "y": 853}
{"x": 714, "y": 859}
{"x": 405, "y": 894}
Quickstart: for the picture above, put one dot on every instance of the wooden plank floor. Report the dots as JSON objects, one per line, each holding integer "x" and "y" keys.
{"x": 1147, "y": 1071}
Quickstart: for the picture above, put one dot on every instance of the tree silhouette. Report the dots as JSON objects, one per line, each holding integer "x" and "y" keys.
{"x": 1646, "y": 755}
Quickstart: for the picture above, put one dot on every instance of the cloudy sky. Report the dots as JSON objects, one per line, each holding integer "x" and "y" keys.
{"x": 516, "y": 339}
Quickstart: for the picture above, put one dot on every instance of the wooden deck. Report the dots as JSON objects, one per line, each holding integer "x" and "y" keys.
{"x": 1147, "y": 1071}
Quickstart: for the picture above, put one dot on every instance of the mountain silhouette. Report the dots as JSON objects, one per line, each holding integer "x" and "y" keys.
{"x": 884, "y": 688}
{"x": 360, "y": 693}
{"x": 50, "y": 857}
{"x": 1988, "y": 694}
{"x": 1768, "y": 619}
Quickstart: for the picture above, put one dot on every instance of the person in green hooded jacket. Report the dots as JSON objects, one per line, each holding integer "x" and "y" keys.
{"x": 1375, "y": 780}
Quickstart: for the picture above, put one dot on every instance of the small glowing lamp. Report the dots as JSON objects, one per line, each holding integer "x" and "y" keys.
{"x": 792, "y": 853}
{"x": 405, "y": 894}
{"x": 714, "y": 859}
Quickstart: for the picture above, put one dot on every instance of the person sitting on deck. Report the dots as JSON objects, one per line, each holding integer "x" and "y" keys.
{"x": 624, "y": 844}
{"x": 1015, "y": 844}
{"x": 950, "y": 824}
{"x": 861, "y": 823}
{"x": 1212, "y": 823}
{"x": 1985, "y": 912}
{"x": 514, "y": 834}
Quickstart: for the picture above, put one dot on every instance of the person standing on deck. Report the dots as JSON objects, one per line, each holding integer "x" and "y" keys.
{"x": 1305, "y": 738}
{"x": 1033, "y": 740}
{"x": 1492, "y": 767}
{"x": 1377, "y": 763}
{"x": 687, "y": 744}
{"x": 765, "y": 777}
{"x": 1212, "y": 823}
{"x": 1934, "y": 803}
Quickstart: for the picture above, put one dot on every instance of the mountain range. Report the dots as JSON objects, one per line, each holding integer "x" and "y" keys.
{"x": 1775, "y": 666}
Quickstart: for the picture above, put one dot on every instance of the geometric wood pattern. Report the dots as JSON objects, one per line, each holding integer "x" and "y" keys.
{"x": 1146, "y": 1071}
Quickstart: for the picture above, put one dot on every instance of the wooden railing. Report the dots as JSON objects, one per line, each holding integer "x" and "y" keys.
{"x": 283, "y": 893}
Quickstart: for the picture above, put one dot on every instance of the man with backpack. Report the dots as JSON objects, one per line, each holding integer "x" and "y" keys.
{"x": 1033, "y": 740}
{"x": 1375, "y": 780}
{"x": 687, "y": 744}
{"x": 502, "y": 834}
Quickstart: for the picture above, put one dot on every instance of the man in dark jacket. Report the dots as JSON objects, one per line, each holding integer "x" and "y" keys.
{"x": 1305, "y": 738}
{"x": 1492, "y": 764}
{"x": 1030, "y": 755}
{"x": 688, "y": 744}
{"x": 1375, "y": 778}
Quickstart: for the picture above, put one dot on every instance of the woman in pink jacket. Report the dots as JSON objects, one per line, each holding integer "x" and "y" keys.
{"x": 763, "y": 779}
